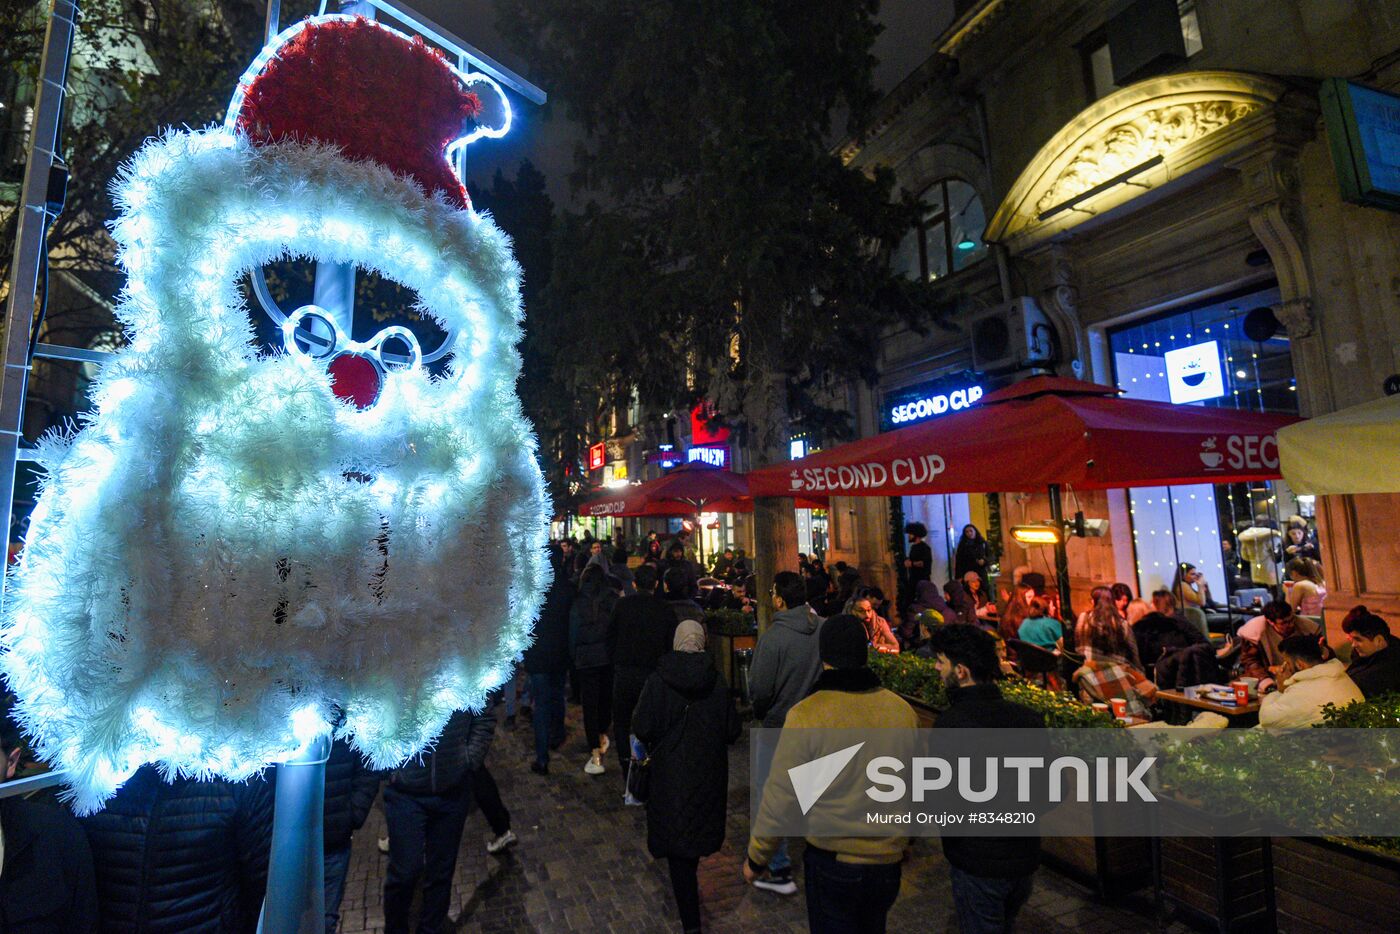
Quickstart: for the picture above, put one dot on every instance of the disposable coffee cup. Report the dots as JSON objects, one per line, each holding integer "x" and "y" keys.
{"x": 1120, "y": 707}
{"x": 1253, "y": 685}
{"x": 1101, "y": 708}
{"x": 1241, "y": 692}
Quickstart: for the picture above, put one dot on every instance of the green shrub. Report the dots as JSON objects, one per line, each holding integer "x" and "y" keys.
{"x": 730, "y": 623}
{"x": 916, "y": 677}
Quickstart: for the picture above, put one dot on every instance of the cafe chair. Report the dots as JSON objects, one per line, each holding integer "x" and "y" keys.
{"x": 1197, "y": 617}
{"x": 1034, "y": 661}
{"x": 1244, "y": 599}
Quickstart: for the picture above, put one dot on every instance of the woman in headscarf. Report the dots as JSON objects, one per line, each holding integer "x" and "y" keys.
{"x": 685, "y": 719}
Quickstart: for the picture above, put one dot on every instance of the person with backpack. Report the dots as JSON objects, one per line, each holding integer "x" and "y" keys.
{"x": 685, "y": 719}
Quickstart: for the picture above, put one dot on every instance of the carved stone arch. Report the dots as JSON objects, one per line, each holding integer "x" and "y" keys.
{"x": 1135, "y": 139}
{"x": 945, "y": 160}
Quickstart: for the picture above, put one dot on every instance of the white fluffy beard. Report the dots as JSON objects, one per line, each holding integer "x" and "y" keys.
{"x": 225, "y": 554}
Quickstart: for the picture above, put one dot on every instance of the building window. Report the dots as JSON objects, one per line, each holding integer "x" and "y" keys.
{"x": 948, "y": 238}
{"x": 1099, "y": 75}
{"x": 1232, "y": 532}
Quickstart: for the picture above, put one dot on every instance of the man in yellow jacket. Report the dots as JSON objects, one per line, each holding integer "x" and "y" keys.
{"x": 850, "y": 881}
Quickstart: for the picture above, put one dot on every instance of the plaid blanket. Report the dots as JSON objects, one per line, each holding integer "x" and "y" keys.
{"x": 1101, "y": 679}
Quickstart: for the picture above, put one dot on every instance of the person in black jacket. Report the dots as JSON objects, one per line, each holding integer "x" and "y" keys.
{"x": 547, "y": 663}
{"x": 642, "y": 627}
{"x": 351, "y": 788}
{"x": 992, "y": 876}
{"x": 46, "y": 881}
{"x": 425, "y": 806}
{"x": 685, "y": 719}
{"x": 974, "y": 553}
{"x": 590, "y": 627}
{"x": 184, "y": 857}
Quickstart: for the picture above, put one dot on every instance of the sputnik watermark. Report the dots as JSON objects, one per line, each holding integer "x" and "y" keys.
{"x": 1073, "y": 782}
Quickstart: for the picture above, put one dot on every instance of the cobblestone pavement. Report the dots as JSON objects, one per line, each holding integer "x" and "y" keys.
{"x": 582, "y": 865}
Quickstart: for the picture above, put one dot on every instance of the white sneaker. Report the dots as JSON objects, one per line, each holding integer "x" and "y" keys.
{"x": 630, "y": 801}
{"x": 501, "y": 842}
{"x": 779, "y": 883}
{"x": 384, "y": 845}
{"x": 595, "y": 764}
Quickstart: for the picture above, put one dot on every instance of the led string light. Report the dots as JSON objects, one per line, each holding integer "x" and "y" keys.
{"x": 155, "y": 544}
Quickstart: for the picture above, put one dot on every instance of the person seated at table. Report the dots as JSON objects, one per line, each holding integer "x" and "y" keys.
{"x": 1161, "y": 632}
{"x": 1104, "y": 612}
{"x": 1307, "y": 684}
{"x": 738, "y": 596}
{"x": 961, "y": 602}
{"x": 724, "y": 566}
{"x": 1108, "y": 670}
{"x": 982, "y": 606}
{"x": 1375, "y": 654}
{"x": 1189, "y": 586}
{"x": 877, "y": 629}
{"x": 1039, "y": 627}
{"x": 1306, "y": 591}
{"x": 1260, "y": 638}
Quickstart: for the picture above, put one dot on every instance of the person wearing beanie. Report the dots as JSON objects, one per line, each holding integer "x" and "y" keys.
{"x": 851, "y": 882}
{"x": 992, "y": 876}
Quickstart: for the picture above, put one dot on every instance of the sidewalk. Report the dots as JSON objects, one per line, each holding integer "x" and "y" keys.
{"x": 582, "y": 865}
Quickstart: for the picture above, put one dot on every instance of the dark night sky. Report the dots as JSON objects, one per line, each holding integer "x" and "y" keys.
{"x": 910, "y": 28}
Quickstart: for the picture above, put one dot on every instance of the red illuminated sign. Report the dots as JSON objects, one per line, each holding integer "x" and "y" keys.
{"x": 705, "y": 428}
{"x": 597, "y": 456}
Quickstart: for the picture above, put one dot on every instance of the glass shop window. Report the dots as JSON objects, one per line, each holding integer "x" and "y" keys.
{"x": 948, "y": 238}
{"x": 1228, "y": 353}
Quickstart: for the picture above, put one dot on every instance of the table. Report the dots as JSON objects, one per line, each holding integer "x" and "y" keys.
{"x": 1246, "y": 715}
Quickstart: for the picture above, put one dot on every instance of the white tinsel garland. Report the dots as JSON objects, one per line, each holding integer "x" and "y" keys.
{"x": 202, "y": 584}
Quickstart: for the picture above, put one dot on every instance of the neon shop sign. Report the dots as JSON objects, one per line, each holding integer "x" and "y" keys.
{"x": 933, "y": 404}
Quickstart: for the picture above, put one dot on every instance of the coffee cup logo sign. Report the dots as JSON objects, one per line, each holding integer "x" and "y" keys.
{"x": 938, "y": 404}
{"x": 1240, "y": 452}
{"x": 901, "y": 472}
{"x": 1193, "y": 373}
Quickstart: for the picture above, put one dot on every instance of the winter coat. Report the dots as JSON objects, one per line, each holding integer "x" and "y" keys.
{"x": 685, "y": 719}
{"x": 1303, "y": 696}
{"x": 841, "y": 699}
{"x": 1259, "y": 644}
{"x": 460, "y": 748}
{"x": 980, "y": 706}
{"x": 590, "y": 625}
{"x": 46, "y": 884}
{"x": 1195, "y": 664}
{"x": 1379, "y": 672}
{"x": 785, "y": 664}
{"x": 1158, "y": 633}
{"x": 189, "y": 857}
{"x": 642, "y": 628}
{"x": 973, "y": 556}
{"x": 351, "y": 787}
{"x": 550, "y": 652}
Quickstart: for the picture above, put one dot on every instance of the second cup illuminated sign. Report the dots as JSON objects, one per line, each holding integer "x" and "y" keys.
{"x": 916, "y": 410}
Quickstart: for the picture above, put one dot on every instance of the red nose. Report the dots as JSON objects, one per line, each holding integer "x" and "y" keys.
{"x": 354, "y": 379}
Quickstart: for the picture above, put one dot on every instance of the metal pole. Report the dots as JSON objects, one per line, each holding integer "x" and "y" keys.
{"x": 296, "y": 897}
{"x": 1057, "y": 517}
{"x": 30, "y": 241}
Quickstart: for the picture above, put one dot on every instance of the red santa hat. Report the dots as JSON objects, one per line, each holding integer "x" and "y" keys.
{"x": 375, "y": 93}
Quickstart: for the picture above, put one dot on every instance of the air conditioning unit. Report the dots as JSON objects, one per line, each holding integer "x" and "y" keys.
{"x": 1014, "y": 335}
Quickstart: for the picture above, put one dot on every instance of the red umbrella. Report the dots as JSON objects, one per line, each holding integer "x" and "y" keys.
{"x": 683, "y": 491}
{"x": 1042, "y": 431}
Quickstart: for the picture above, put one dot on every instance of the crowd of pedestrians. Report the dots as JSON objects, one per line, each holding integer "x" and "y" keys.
{"x": 626, "y": 639}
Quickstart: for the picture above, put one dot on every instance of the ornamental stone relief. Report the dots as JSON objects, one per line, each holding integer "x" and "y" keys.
{"x": 1128, "y": 145}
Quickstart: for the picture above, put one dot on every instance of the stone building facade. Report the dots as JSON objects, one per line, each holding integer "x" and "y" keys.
{"x": 1141, "y": 185}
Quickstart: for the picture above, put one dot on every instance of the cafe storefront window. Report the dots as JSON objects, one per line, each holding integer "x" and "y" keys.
{"x": 1226, "y": 353}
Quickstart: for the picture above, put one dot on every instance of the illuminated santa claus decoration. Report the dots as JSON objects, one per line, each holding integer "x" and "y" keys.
{"x": 240, "y": 549}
